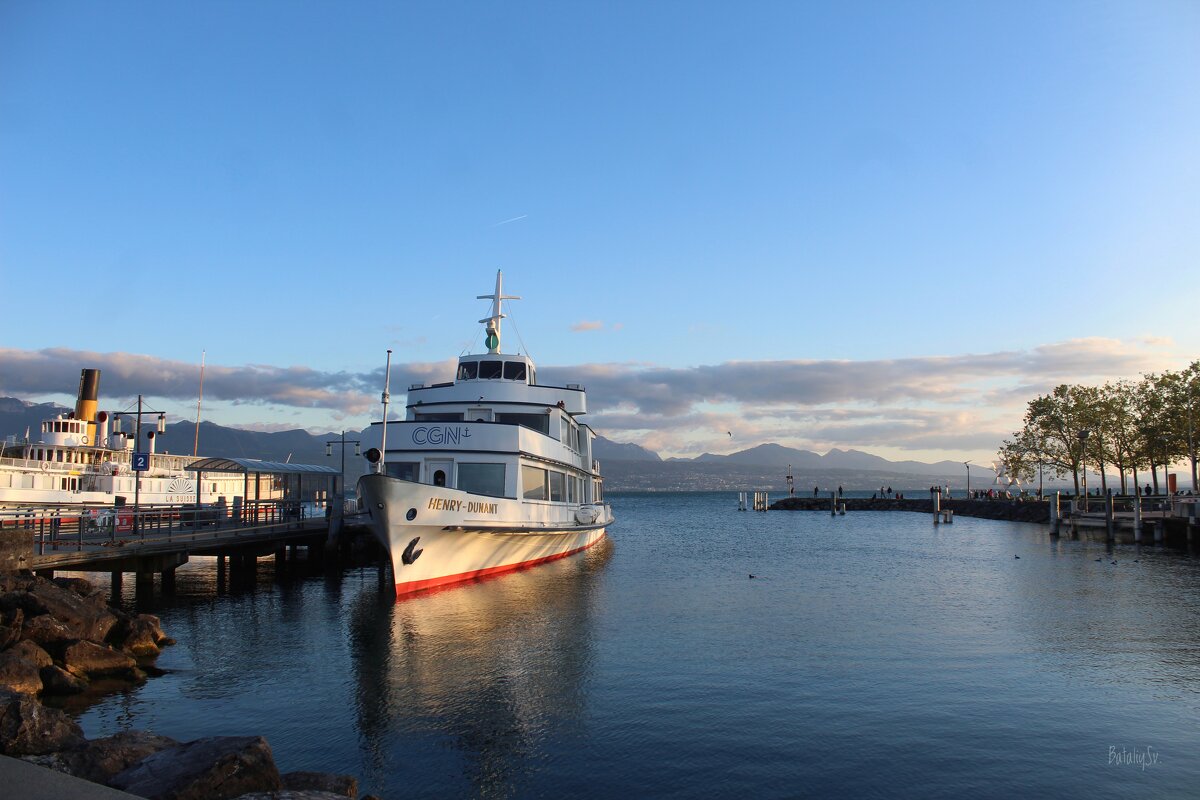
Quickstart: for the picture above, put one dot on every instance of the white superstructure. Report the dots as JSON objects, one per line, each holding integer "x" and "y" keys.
{"x": 489, "y": 472}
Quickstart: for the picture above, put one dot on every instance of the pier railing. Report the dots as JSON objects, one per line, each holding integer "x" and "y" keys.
{"x": 65, "y": 528}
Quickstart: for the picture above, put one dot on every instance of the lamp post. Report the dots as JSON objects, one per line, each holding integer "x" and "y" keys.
{"x": 141, "y": 460}
{"x": 1083, "y": 436}
{"x": 343, "y": 441}
{"x": 967, "y": 464}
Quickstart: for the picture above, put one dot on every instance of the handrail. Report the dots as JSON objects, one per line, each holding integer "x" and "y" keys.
{"x": 99, "y": 528}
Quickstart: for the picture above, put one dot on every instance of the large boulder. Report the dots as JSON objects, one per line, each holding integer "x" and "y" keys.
{"x": 99, "y": 760}
{"x": 29, "y": 728}
{"x": 56, "y": 680}
{"x": 293, "y": 794}
{"x": 88, "y": 659}
{"x": 32, "y": 653}
{"x": 141, "y": 635}
{"x": 18, "y": 674}
{"x": 11, "y": 623}
{"x": 217, "y": 768}
{"x": 16, "y": 581}
{"x": 48, "y": 633}
{"x": 26, "y": 602}
{"x": 86, "y": 617}
{"x": 342, "y": 785}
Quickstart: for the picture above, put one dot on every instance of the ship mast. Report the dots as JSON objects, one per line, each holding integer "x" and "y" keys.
{"x": 493, "y": 322}
{"x": 199, "y": 400}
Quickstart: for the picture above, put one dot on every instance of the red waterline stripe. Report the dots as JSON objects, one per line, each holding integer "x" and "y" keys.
{"x": 479, "y": 574}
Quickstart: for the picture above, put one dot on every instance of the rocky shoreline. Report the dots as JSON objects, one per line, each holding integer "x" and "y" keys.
{"x": 60, "y": 638}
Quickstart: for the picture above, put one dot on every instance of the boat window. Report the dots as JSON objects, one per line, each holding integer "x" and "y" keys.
{"x": 572, "y": 492}
{"x": 564, "y": 429}
{"x": 467, "y": 370}
{"x": 490, "y": 370}
{"x": 439, "y": 477}
{"x": 482, "y": 479}
{"x": 404, "y": 470}
{"x": 514, "y": 370}
{"x": 57, "y": 427}
{"x": 537, "y": 422}
{"x": 59, "y": 455}
{"x": 420, "y": 417}
{"x": 557, "y": 481}
{"x": 533, "y": 483}
{"x": 532, "y": 377}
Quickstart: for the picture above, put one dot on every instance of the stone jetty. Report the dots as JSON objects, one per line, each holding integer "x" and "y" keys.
{"x": 60, "y": 637}
{"x": 1014, "y": 510}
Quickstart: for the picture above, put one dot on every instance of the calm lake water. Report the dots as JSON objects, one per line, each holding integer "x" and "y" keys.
{"x": 875, "y": 655}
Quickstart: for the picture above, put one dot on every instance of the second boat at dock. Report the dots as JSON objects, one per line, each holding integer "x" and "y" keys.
{"x": 487, "y": 473}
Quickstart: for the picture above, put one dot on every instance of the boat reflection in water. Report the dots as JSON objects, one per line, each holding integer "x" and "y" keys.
{"x": 458, "y": 690}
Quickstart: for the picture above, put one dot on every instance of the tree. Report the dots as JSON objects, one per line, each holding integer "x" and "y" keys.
{"x": 1054, "y": 422}
{"x": 1121, "y": 441}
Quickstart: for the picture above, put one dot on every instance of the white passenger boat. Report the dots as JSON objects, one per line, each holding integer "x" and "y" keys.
{"x": 487, "y": 473}
{"x": 77, "y": 458}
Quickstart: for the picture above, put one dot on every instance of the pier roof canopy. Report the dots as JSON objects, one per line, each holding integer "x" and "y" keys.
{"x": 249, "y": 466}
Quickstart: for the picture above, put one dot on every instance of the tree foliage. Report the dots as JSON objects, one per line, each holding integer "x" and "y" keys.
{"x": 1127, "y": 426}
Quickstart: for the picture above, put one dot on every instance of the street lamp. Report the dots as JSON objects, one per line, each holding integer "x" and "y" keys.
{"x": 1083, "y": 436}
{"x": 967, "y": 464}
{"x": 343, "y": 441}
{"x": 141, "y": 459}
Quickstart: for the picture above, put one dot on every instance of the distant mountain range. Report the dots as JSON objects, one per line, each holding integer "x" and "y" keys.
{"x": 625, "y": 466}
{"x": 629, "y": 467}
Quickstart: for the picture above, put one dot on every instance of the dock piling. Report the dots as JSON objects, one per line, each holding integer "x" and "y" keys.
{"x": 1137, "y": 517}
{"x": 1109, "y": 528}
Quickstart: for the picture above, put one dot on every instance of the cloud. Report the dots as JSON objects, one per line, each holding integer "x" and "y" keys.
{"x": 587, "y": 325}
{"x": 966, "y": 402}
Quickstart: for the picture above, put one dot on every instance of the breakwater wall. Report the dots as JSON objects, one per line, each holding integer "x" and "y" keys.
{"x": 1014, "y": 510}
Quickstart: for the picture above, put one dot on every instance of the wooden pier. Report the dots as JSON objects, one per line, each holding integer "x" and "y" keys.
{"x": 157, "y": 539}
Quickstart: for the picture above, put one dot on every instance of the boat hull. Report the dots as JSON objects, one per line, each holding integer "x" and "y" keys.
{"x": 438, "y": 537}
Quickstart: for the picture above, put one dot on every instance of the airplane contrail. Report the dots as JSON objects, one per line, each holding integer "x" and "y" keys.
{"x": 505, "y": 222}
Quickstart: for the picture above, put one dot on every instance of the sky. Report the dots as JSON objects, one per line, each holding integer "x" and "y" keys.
{"x": 878, "y": 226}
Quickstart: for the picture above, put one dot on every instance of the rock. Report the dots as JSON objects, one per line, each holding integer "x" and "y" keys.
{"x": 292, "y": 794}
{"x": 18, "y": 674}
{"x": 216, "y": 768}
{"x": 47, "y": 632}
{"x": 26, "y": 602}
{"x": 32, "y": 653}
{"x": 56, "y": 680}
{"x": 86, "y": 617}
{"x": 88, "y": 659}
{"x": 80, "y": 586}
{"x": 143, "y": 635}
{"x": 99, "y": 760}
{"x": 343, "y": 785}
{"x": 10, "y": 628}
{"x": 16, "y": 581}
{"x": 29, "y": 728}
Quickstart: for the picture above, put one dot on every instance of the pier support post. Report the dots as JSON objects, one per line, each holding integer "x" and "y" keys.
{"x": 1160, "y": 526}
{"x": 143, "y": 583}
{"x": 1137, "y": 516}
{"x": 833, "y": 504}
{"x": 1109, "y": 528}
{"x": 936, "y": 499}
{"x": 114, "y": 593}
{"x": 168, "y": 581}
{"x": 1055, "y": 513}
